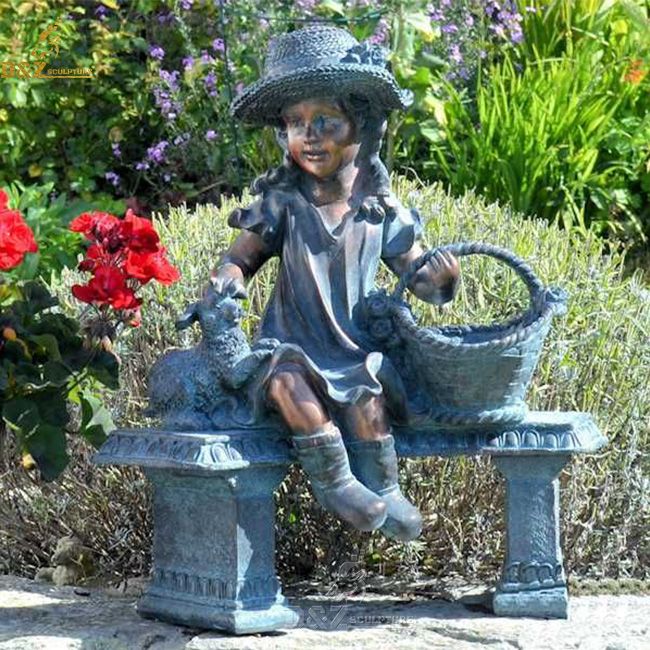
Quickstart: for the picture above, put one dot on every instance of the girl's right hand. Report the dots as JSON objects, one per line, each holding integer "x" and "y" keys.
{"x": 228, "y": 280}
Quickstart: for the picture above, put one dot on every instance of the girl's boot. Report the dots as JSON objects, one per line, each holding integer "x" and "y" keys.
{"x": 324, "y": 458}
{"x": 374, "y": 463}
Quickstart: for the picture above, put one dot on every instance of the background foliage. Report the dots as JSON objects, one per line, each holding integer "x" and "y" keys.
{"x": 596, "y": 359}
{"x": 552, "y": 94}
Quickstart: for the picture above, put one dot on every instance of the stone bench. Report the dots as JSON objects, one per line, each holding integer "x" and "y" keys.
{"x": 214, "y": 513}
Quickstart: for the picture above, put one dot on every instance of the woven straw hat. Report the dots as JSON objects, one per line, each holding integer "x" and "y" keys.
{"x": 318, "y": 61}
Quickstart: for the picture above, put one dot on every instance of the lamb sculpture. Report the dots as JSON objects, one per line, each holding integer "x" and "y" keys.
{"x": 195, "y": 389}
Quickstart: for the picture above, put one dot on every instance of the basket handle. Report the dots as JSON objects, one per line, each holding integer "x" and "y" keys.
{"x": 532, "y": 282}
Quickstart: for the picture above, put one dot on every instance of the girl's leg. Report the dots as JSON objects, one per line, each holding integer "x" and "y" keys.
{"x": 320, "y": 449}
{"x": 374, "y": 462}
{"x": 296, "y": 401}
{"x": 366, "y": 422}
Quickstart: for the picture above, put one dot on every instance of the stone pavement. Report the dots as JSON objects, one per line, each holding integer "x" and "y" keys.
{"x": 36, "y": 615}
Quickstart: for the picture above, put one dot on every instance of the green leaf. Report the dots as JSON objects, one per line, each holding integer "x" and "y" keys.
{"x": 49, "y": 343}
{"x": 422, "y": 77}
{"x": 47, "y": 444}
{"x": 422, "y": 23}
{"x": 52, "y": 406}
{"x": 57, "y": 373}
{"x": 64, "y": 329}
{"x": 332, "y": 5}
{"x": 38, "y": 297}
{"x": 96, "y": 421}
{"x": 105, "y": 368}
{"x": 21, "y": 413}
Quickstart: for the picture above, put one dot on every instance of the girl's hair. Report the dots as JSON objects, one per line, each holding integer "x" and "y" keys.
{"x": 371, "y": 125}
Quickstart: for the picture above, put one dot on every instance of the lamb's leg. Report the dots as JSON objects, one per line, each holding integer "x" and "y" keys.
{"x": 245, "y": 368}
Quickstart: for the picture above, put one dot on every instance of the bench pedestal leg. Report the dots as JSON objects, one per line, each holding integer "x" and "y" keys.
{"x": 213, "y": 551}
{"x": 533, "y": 582}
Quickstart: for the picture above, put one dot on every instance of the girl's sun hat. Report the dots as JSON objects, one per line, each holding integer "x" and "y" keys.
{"x": 318, "y": 61}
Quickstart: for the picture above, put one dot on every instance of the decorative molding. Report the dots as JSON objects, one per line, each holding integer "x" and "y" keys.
{"x": 211, "y": 451}
{"x": 542, "y": 433}
{"x": 180, "y": 582}
{"x": 527, "y": 576}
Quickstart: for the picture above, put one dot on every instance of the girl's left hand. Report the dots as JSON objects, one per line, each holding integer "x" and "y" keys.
{"x": 437, "y": 281}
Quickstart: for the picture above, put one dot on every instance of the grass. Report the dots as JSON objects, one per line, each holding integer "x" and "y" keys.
{"x": 596, "y": 359}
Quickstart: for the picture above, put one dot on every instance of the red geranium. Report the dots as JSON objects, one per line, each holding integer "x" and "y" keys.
{"x": 125, "y": 254}
{"x": 107, "y": 286}
{"x": 151, "y": 266}
{"x": 95, "y": 225}
{"x": 16, "y": 237}
{"x": 139, "y": 234}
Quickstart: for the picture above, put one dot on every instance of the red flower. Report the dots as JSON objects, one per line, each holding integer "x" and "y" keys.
{"x": 95, "y": 225}
{"x": 151, "y": 266}
{"x": 107, "y": 287}
{"x": 95, "y": 257}
{"x": 16, "y": 237}
{"x": 139, "y": 234}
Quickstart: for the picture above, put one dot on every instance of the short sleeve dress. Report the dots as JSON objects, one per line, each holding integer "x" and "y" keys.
{"x": 316, "y": 307}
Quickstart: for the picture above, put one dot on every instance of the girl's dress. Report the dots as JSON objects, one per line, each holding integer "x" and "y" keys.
{"x": 316, "y": 308}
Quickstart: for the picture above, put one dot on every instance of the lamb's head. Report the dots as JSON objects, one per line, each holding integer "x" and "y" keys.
{"x": 216, "y": 314}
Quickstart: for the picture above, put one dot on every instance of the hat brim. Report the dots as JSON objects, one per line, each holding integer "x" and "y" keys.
{"x": 261, "y": 102}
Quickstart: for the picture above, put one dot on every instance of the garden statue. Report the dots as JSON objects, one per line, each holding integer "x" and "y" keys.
{"x": 337, "y": 367}
{"x": 329, "y": 214}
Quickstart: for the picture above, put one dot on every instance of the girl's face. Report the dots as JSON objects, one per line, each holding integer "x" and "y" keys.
{"x": 320, "y": 136}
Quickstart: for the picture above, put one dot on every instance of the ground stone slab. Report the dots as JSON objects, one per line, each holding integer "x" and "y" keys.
{"x": 35, "y": 615}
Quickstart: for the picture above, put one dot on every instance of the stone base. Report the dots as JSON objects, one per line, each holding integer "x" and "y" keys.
{"x": 543, "y": 603}
{"x": 234, "y": 621}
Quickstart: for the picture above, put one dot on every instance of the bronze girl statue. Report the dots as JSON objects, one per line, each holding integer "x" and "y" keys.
{"x": 329, "y": 214}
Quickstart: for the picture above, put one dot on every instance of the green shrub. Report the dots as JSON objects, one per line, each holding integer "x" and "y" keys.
{"x": 596, "y": 359}
{"x": 558, "y": 127}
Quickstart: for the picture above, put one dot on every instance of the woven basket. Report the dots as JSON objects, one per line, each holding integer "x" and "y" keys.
{"x": 476, "y": 374}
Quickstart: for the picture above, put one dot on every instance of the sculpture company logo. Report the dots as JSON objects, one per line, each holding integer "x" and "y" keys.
{"x": 37, "y": 67}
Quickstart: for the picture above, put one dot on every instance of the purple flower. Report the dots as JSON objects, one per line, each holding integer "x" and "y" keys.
{"x": 156, "y": 153}
{"x": 170, "y": 78}
{"x": 117, "y": 152}
{"x": 449, "y": 29}
{"x": 165, "y": 18}
{"x": 239, "y": 88}
{"x": 167, "y": 178}
{"x": 218, "y": 45}
{"x": 181, "y": 139}
{"x": 210, "y": 83}
{"x": 205, "y": 57}
{"x": 455, "y": 54}
{"x": 169, "y": 108}
{"x": 516, "y": 35}
{"x": 469, "y": 20}
{"x": 112, "y": 178}
{"x": 381, "y": 32}
{"x": 101, "y": 12}
{"x": 188, "y": 62}
{"x": 305, "y": 5}
{"x": 141, "y": 166}
{"x": 156, "y": 52}
{"x": 437, "y": 16}
{"x": 186, "y": 4}
{"x": 210, "y": 135}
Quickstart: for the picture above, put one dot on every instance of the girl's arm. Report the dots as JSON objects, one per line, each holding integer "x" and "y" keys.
{"x": 240, "y": 262}
{"x": 436, "y": 282}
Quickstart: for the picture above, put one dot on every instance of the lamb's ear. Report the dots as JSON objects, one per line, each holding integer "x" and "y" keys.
{"x": 189, "y": 316}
